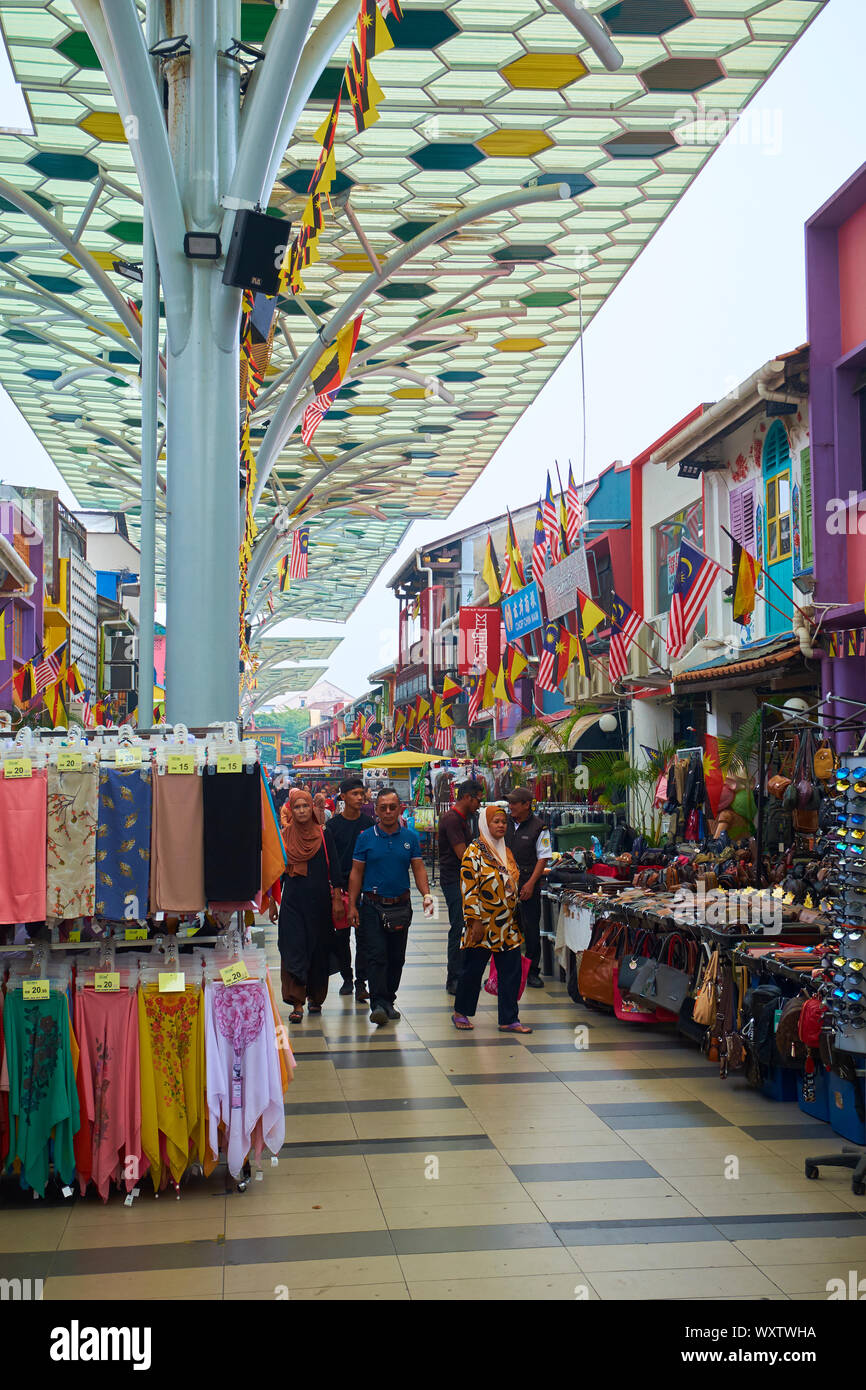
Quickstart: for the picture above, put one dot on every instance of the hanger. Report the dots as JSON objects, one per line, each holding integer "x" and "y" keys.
{"x": 26, "y": 751}
{"x": 183, "y": 744}
{"x": 39, "y": 967}
{"x": 227, "y": 744}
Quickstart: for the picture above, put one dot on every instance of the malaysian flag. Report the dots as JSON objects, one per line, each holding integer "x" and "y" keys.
{"x": 696, "y": 574}
{"x": 574, "y": 511}
{"x": 380, "y": 746}
{"x": 625, "y": 624}
{"x": 551, "y": 523}
{"x": 539, "y": 545}
{"x": 443, "y": 740}
{"x": 300, "y": 547}
{"x": 424, "y": 731}
{"x": 476, "y": 690}
{"x": 556, "y": 652}
{"x": 315, "y": 414}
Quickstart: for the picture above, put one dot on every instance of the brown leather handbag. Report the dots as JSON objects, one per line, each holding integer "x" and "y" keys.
{"x": 824, "y": 763}
{"x": 600, "y": 962}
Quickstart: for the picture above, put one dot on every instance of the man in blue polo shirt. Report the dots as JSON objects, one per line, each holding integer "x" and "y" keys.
{"x": 382, "y": 858}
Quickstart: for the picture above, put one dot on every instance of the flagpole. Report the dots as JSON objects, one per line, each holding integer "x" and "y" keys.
{"x": 773, "y": 581}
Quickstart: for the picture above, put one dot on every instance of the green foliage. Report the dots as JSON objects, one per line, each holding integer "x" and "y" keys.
{"x": 630, "y": 789}
{"x": 739, "y": 753}
{"x": 292, "y": 722}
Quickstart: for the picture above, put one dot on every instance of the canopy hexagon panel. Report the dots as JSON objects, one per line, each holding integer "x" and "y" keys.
{"x": 289, "y": 681}
{"x": 480, "y": 97}
{"x": 297, "y": 648}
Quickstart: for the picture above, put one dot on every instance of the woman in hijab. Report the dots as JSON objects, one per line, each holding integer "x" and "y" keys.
{"x": 311, "y": 895}
{"x": 320, "y": 809}
{"x": 489, "y": 885}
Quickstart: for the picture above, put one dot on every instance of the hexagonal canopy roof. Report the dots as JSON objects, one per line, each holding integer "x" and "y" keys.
{"x": 481, "y": 96}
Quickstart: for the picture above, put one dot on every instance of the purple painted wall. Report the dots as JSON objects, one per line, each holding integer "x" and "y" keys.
{"x": 13, "y": 524}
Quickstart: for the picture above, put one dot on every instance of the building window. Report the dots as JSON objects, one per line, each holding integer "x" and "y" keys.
{"x": 687, "y": 524}
{"x": 779, "y": 517}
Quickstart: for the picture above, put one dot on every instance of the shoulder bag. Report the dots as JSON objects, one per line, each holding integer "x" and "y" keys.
{"x": 600, "y": 962}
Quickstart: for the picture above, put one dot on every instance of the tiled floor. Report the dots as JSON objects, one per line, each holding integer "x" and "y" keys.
{"x": 424, "y": 1164}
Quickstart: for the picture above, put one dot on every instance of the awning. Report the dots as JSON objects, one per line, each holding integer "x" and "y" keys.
{"x": 714, "y": 672}
{"x": 582, "y": 726}
{"x": 520, "y": 743}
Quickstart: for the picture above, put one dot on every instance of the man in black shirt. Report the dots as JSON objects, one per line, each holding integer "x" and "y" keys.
{"x": 345, "y": 828}
{"x": 454, "y": 835}
{"x": 529, "y": 842}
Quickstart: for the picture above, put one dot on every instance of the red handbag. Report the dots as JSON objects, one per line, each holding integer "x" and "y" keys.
{"x": 491, "y": 984}
{"x": 340, "y": 921}
{"x": 629, "y": 1010}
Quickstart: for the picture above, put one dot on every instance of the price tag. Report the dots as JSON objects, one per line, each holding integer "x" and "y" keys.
{"x": 18, "y": 767}
{"x": 233, "y": 974}
{"x": 747, "y": 891}
{"x": 36, "y": 989}
{"x": 135, "y": 934}
{"x": 106, "y": 981}
{"x": 788, "y": 898}
{"x": 808, "y": 901}
{"x": 69, "y": 762}
{"x": 778, "y": 893}
{"x": 230, "y": 762}
{"x": 75, "y": 935}
{"x": 171, "y": 981}
{"x": 180, "y": 762}
{"x": 127, "y": 757}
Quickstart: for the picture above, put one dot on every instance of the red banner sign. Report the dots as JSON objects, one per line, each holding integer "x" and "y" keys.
{"x": 479, "y": 642}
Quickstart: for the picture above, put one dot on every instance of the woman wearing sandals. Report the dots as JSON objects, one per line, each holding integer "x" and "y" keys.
{"x": 311, "y": 895}
{"x": 489, "y": 883}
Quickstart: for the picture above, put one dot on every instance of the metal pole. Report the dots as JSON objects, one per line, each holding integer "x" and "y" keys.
{"x": 759, "y": 826}
{"x": 149, "y": 388}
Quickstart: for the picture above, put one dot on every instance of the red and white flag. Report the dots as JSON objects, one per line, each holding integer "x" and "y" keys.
{"x": 443, "y": 740}
{"x": 573, "y": 511}
{"x": 696, "y": 574}
{"x": 300, "y": 548}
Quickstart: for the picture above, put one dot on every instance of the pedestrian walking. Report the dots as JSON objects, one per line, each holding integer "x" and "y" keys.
{"x": 379, "y": 881}
{"x": 489, "y": 883}
{"x": 529, "y": 842}
{"x": 345, "y": 827}
{"x": 310, "y": 896}
{"x": 455, "y": 835}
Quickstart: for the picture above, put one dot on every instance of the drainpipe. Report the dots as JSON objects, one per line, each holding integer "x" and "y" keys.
{"x": 802, "y": 633}
{"x": 428, "y": 570}
{"x": 767, "y": 395}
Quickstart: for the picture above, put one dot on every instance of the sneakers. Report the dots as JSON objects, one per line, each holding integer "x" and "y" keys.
{"x": 391, "y": 1011}
{"x": 379, "y": 1016}
{"x": 347, "y": 987}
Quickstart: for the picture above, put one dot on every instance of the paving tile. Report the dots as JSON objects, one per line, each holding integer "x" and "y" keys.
{"x": 535, "y": 1288}
{"x": 583, "y": 1172}
{"x": 679, "y": 1254}
{"x": 437, "y": 1239}
{"x": 264, "y": 1279}
{"x": 684, "y": 1283}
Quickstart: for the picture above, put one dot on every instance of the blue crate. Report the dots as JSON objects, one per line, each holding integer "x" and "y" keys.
{"x": 819, "y": 1108}
{"x": 780, "y": 1083}
{"x": 844, "y": 1119}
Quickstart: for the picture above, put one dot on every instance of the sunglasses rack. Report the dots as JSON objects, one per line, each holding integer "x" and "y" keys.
{"x": 843, "y": 988}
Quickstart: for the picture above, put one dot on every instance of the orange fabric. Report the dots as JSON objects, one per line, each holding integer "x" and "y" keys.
{"x": 273, "y": 853}
{"x": 301, "y": 842}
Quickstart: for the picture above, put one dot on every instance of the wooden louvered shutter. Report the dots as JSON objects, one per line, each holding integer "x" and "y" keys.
{"x": 806, "y": 506}
{"x": 742, "y": 500}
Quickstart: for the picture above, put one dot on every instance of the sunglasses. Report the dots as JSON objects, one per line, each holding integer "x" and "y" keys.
{"x": 854, "y": 820}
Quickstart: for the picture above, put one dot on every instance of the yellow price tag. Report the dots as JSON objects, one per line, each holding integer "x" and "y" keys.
{"x": 106, "y": 981}
{"x": 180, "y": 762}
{"x": 127, "y": 757}
{"x": 808, "y": 901}
{"x": 788, "y": 898}
{"x": 135, "y": 934}
{"x": 69, "y": 762}
{"x": 233, "y": 974}
{"x": 36, "y": 989}
{"x": 747, "y": 891}
{"x": 778, "y": 893}
{"x": 229, "y": 762}
{"x": 75, "y": 935}
{"x": 171, "y": 981}
{"x": 18, "y": 767}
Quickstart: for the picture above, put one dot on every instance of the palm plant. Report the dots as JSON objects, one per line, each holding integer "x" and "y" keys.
{"x": 630, "y": 789}
{"x": 554, "y": 761}
{"x": 739, "y": 752}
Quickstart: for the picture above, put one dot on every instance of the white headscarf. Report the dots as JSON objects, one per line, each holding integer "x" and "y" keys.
{"x": 496, "y": 846}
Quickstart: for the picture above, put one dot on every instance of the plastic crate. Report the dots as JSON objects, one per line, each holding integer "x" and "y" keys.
{"x": 844, "y": 1118}
{"x": 819, "y": 1108}
{"x": 576, "y": 835}
{"x": 780, "y": 1084}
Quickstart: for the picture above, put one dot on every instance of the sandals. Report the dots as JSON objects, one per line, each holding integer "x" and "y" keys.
{"x": 461, "y": 1022}
{"x": 296, "y": 1016}
{"x": 514, "y": 1028}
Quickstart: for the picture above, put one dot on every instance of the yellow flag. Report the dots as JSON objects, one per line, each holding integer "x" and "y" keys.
{"x": 499, "y": 688}
{"x": 490, "y": 574}
{"x": 488, "y": 698}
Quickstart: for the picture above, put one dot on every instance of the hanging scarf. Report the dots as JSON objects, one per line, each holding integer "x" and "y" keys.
{"x": 123, "y": 844}
{"x": 301, "y": 841}
{"x": 319, "y": 807}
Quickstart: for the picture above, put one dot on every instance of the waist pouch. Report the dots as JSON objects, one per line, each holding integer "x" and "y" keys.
{"x": 394, "y": 916}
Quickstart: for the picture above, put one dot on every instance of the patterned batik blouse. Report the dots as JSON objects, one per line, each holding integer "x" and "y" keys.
{"x": 490, "y": 896}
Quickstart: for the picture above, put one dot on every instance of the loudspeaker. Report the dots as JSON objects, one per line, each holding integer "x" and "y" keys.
{"x": 256, "y": 252}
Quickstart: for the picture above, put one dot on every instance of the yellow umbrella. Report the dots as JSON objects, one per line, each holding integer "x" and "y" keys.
{"x": 404, "y": 759}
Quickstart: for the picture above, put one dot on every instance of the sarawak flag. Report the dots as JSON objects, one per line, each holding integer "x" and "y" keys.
{"x": 365, "y": 94}
{"x": 327, "y": 377}
{"x": 284, "y": 574}
{"x": 745, "y": 570}
{"x": 73, "y": 680}
{"x": 373, "y": 35}
{"x": 300, "y": 550}
{"x": 25, "y": 683}
{"x": 514, "y": 577}
{"x": 490, "y": 574}
{"x": 551, "y": 523}
{"x": 696, "y": 574}
{"x": 539, "y": 545}
{"x": 53, "y": 701}
{"x": 590, "y": 614}
{"x": 625, "y": 625}
{"x": 399, "y": 721}
{"x": 450, "y": 691}
{"x": 488, "y": 697}
{"x": 511, "y": 667}
{"x": 564, "y": 546}
{"x": 326, "y": 166}
{"x": 557, "y": 652}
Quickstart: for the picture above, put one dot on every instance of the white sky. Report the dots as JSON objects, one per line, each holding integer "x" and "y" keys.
{"x": 719, "y": 291}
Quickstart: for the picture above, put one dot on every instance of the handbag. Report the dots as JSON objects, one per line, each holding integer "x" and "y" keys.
{"x": 627, "y": 1010}
{"x": 340, "y": 920}
{"x": 667, "y": 984}
{"x": 824, "y": 762}
{"x": 491, "y": 984}
{"x": 599, "y": 963}
{"x": 704, "y": 1011}
{"x": 778, "y": 785}
{"x": 634, "y": 960}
